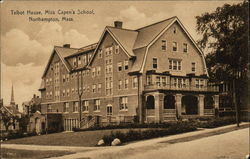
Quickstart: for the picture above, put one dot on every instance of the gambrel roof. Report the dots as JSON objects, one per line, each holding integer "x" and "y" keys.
{"x": 148, "y": 33}
{"x": 135, "y": 43}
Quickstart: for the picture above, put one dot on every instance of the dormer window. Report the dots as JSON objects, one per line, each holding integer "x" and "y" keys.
{"x": 79, "y": 60}
{"x": 74, "y": 62}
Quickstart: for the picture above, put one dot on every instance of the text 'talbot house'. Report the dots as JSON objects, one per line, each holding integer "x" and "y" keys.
{"x": 152, "y": 74}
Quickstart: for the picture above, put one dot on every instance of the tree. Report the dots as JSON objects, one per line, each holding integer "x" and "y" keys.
{"x": 7, "y": 119}
{"x": 225, "y": 37}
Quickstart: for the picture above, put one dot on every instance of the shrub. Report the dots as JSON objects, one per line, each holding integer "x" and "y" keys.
{"x": 133, "y": 135}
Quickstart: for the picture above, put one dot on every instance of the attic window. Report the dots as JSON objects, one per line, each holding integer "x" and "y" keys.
{"x": 125, "y": 64}
{"x": 117, "y": 49}
{"x": 163, "y": 45}
{"x": 174, "y": 30}
{"x": 154, "y": 62}
{"x": 174, "y": 46}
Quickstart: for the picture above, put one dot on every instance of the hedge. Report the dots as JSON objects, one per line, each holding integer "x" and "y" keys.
{"x": 133, "y": 135}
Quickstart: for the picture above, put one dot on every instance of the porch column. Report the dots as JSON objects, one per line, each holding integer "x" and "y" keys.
{"x": 216, "y": 101}
{"x": 178, "y": 103}
{"x": 158, "y": 107}
{"x": 201, "y": 104}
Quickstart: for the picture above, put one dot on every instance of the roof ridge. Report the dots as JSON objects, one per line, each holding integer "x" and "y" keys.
{"x": 121, "y": 28}
{"x": 66, "y": 47}
{"x": 87, "y": 45}
{"x": 156, "y": 23}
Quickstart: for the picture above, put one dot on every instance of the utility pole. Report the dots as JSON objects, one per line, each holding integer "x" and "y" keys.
{"x": 234, "y": 98}
{"x": 80, "y": 92}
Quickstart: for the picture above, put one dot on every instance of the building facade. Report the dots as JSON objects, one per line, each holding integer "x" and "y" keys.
{"x": 152, "y": 74}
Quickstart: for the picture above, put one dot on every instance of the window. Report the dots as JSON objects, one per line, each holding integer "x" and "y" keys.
{"x": 126, "y": 84}
{"x": 149, "y": 80}
{"x": 125, "y": 64}
{"x": 64, "y": 79}
{"x": 185, "y": 47}
{"x": 120, "y": 84}
{"x": 74, "y": 62}
{"x": 89, "y": 57}
{"x": 109, "y": 110}
{"x": 49, "y": 108}
{"x": 75, "y": 107}
{"x": 163, "y": 45}
{"x": 119, "y": 66}
{"x": 79, "y": 60}
{"x": 67, "y": 77}
{"x": 174, "y": 46}
{"x": 123, "y": 103}
{"x": 154, "y": 62}
{"x": 86, "y": 105}
{"x": 135, "y": 82}
{"x": 94, "y": 88}
{"x": 164, "y": 81}
{"x": 66, "y": 107}
{"x": 84, "y": 59}
{"x": 193, "y": 67}
{"x": 99, "y": 87}
{"x": 158, "y": 80}
{"x": 67, "y": 92}
{"x": 98, "y": 71}
{"x": 175, "y": 65}
{"x": 97, "y": 105}
{"x": 73, "y": 90}
{"x": 93, "y": 72}
{"x": 63, "y": 93}
{"x": 174, "y": 30}
{"x": 197, "y": 83}
{"x": 100, "y": 53}
{"x": 117, "y": 49}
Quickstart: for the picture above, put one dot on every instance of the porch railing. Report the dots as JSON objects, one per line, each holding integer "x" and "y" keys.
{"x": 181, "y": 87}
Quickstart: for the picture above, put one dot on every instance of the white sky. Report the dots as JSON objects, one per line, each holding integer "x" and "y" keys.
{"x": 26, "y": 46}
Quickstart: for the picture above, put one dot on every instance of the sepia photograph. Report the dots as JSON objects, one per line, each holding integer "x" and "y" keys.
{"x": 123, "y": 79}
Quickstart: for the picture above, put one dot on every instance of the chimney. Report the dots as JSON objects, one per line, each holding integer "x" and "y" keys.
{"x": 118, "y": 24}
{"x": 66, "y": 45}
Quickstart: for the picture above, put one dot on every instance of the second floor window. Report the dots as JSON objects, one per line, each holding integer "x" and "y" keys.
{"x": 79, "y": 60}
{"x": 66, "y": 107}
{"x": 99, "y": 87}
{"x": 123, "y": 103}
{"x": 109, "y": 110}
{"x": 49, "y": 108}
{"x": 174, "y": 46}
{"x": 93, "y": 72}
{"x": 74, "y": 62}
{"x": 85, "y": 105}
{"x": 97, "y": 104}
{"x": 163, "y": 45}
{"x": 155, "y": 65}
{"x": 75, "y": 107}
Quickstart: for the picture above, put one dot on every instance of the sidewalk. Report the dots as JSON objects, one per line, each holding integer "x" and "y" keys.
{"x": 94, "y": 152}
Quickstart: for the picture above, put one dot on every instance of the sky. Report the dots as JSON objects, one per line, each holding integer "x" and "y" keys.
{"x": 26, "y": 45}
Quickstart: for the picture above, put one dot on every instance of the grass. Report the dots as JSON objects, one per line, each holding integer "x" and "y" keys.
{"x": 24, "y": 154}
{"x": 85, "y": 138}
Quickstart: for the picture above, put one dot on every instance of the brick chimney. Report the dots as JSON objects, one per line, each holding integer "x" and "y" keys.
{"x": 66, "y": 45}
{"x": 118, "y": 24}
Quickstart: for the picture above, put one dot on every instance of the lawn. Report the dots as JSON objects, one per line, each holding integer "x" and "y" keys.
{"x": 24, "y": 154}
{"x": 84, "y": 138}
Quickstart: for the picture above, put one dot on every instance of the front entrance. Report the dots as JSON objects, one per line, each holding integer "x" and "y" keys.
{"x": 189, "y": 105}
{"x": 38, "y": 125}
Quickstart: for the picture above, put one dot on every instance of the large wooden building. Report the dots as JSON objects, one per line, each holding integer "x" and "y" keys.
{"x": 152, "y": 74}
